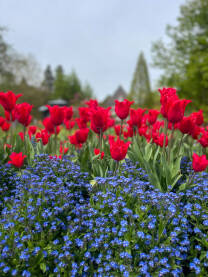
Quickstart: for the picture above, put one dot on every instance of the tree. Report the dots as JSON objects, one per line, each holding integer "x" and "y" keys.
{"x": 48, "y": 82}
{"x": 69, "y": 87}
{"x": 87, "y": 91}
{"x": 184, "y": 60}
{"x": 5, "y": 59}
{"x": 140, "y": 86}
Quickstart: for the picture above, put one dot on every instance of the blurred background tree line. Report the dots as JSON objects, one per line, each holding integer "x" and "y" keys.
{"x": 21, "y": 74}
{"x": 183, "y": 62}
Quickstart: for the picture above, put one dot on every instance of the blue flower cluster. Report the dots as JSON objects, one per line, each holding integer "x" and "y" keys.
{"x": 57, "y": 223}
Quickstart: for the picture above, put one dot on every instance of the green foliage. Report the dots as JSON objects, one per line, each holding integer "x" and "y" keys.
{"x": 184, "y": 60}
{"x": 140, "y": 86}
{"x": 69, "y": 87}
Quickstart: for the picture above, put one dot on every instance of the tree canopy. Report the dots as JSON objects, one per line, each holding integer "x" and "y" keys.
{"x": 184, "y": 60}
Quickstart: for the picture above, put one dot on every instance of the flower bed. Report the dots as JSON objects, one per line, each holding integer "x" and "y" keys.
{"x": 95, "y": 198}
{"x": 55, "y": 223}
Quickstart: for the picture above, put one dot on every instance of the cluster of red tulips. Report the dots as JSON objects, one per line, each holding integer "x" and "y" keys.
{"x": 119, "y": 133}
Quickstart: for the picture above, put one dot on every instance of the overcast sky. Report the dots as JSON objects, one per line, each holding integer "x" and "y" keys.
{"x": 100, "y": 39}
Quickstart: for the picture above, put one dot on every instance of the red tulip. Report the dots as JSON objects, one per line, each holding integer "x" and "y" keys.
{"x": 92, "y": 104}
{"x": 32, "y": 129}
{"x": 167, "y": 97}
{"x": 204, "y": 139}
{"x": 5, "y": 126}
{"x": 56, "y": 114}
{"x": 129, "y": 133}
{"x": 159, "y": 139}
{"x": 9, "y": 146}
{"x": 97, "y": 152}
{"x": 43, "y": 135}
{"x": 63, "y": 149}
{"x": 199, "y": 163}
{"x": 198, "y": 117}
{"x": 10, "y": 116}
{"x": 81, "y": 135}
{"x": 68, "y": 113}
{"x": 84, "y": 114}
{"x": 118, "y": 149}
{"x": 117, "y": 129}
{"x": 22, "y": 113}
{"x": 99, "y": 120}
{"x": 81, "y": 123}
{"x": 152, "y": 116}
{"x": 186, "y": 125}
{"x": 8, "y": 100}
{"x": 136, "y": 117}
{"x": 69, "y": 124}
{"x": 21, "y": 134}
{"x": 122, "y": 108}
{"x": 17, "y": 159}
{"x": 176, "y": 110}
{"x": 47, "y": 123}
{"x": 73, "y": 140}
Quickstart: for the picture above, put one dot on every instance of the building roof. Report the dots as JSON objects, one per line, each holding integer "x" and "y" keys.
{"x": 57, "y": 102}
{"x": 119, "y": 94}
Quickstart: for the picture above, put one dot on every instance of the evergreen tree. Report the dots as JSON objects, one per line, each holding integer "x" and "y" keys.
{"x": 184, "y": 60}
{"x": 48, "y": 82}
{"x": 140, "y": 86}
{"x": 59, "y": 83}
{"x": 87, "y": 91}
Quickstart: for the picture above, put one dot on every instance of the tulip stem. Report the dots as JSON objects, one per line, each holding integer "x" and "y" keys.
{"x": 121, "y": 128}
{"x": 180, "y": 144}
{"x": 166, "y": 133}
{"x": 116, "y": 168}
{"x": 24, "y": 132}
{"x": 55, "y": 141}
{"x": 100, "y": 140}
{"x": 191, "y": 177}
{"x": 171, "y": 142}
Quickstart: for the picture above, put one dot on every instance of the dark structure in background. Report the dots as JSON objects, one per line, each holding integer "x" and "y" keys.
{"x": 120, "y": 94}
{"x": 59, "y": 102}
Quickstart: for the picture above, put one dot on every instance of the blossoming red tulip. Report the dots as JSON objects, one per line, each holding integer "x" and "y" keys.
{"x": 68, "y": 113}
{"x": 175, "y": 112}
{"x": 152, "y": 116}
{"x": 92, "y": 103}
{"x": 56, "y": 114}
{"x": 199, "y": 163}
{"x": 118, "y": 149}
{"x": 204, "y": 139}
{"x": 44, "y": 136}
{"x": 49, "y": 125}
{"x": 99, "y": 119}
{"x": 5, "y": 126}
{"x": 32, "y": 129}
{"x": 17, "y": 159}
{"x": 73, "y": 140}
{"x": 167, "y": 97}
{"x": 136, "y": 117}
{"x": 97, "y": 152}
{"x": 186, "y": 125}
{"x": 198, "y": 117}
{"x": 84, "y": 114}
{"x": 81, "y": 135}
{"x": 122, "y": 108}
{"x": 22, "y": 113}
{"x": 8, "y": 100}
